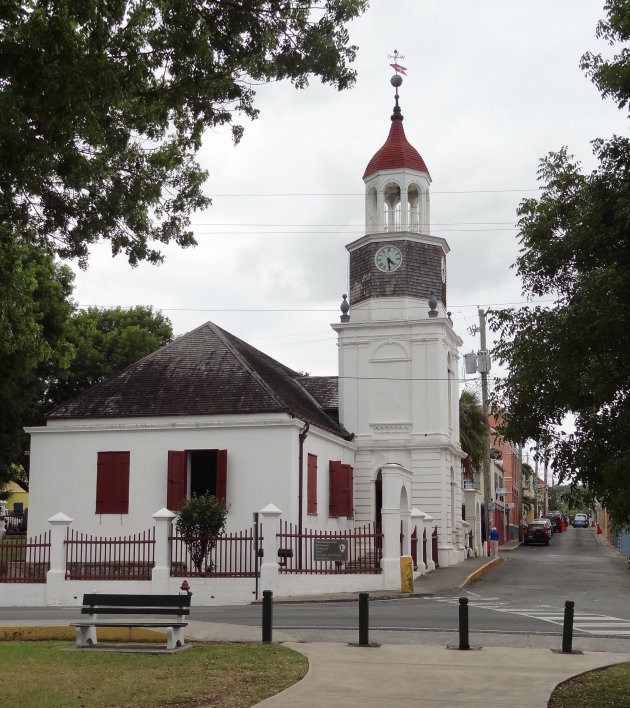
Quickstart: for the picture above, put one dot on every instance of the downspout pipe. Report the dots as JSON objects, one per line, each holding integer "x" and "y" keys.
{"x": 302, "y": 437}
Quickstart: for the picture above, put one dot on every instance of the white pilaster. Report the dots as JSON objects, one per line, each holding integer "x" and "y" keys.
{"x": 56, "y": 576}
{"x": 162, "y": 568}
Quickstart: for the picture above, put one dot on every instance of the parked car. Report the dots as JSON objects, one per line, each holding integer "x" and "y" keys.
{"x": 556, "y": 520}
{"x": 537, "y": 531}
{"x": 581, "y": 520}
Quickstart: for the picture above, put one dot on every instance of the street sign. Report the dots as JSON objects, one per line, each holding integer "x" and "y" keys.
{"x": 509, "y": 505}
{"x": 330, "y": 549}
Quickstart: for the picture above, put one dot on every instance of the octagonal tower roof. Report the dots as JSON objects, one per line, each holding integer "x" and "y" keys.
{"x": 397, "y": 152}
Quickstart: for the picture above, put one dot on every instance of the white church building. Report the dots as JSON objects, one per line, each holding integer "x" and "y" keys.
{"x": 377, "y": 444}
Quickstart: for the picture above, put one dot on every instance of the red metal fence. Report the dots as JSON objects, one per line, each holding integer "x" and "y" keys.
{"x": 25, "y": 561}
{"x": 361, "y": 548}
{"x": 233, "y": 556}
{"x": 100, "y": 558}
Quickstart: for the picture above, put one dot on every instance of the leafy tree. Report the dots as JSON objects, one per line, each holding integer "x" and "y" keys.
{"x": 473, "y": 432}
{"x": 105, "y": 342}
{"x": 34, "y": 310}
{"x": 201, "y": 519}
{"x": 570, "y": 360}
{"x": 104, "y": 105}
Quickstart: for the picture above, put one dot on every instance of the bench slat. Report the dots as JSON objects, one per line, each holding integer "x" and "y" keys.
{"x": 99, "y": 610}
{"x": 137, "y": 600}
{"x": 98, "y": 623}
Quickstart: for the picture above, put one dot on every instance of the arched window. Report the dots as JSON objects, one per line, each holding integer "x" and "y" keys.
{"x": 371, "y": 218}
{"x": 413, "y": 207}
{"x": 392, "y": 207}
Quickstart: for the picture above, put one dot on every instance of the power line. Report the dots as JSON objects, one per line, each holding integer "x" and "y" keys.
{"x": 332, "y": 309}
{"x": 329, "y": 233}
{"x": 357, "y": 226}
{"x": 362, "y": 194}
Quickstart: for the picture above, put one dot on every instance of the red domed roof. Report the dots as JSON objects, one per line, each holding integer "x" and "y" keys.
{"x": 396, "y": 153}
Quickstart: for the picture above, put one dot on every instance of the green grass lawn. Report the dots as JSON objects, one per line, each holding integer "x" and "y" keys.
{"x": 224, "y": 675}
{"x": 602, "y": 688}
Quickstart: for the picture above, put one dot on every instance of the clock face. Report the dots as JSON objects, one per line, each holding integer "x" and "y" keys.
{"x": 443, "y": 268}
{"x": 388, "y": 259}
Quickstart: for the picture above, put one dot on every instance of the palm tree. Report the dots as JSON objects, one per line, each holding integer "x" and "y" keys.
{"x": 473, "y": 433}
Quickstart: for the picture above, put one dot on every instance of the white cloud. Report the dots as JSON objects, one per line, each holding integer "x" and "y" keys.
{"x": 491, "y": 88}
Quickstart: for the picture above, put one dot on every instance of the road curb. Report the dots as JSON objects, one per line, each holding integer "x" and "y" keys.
{"x": 476, "y": 574}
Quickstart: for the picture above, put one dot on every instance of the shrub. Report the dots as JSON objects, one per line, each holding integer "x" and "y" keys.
{"x": 201, "y": 519}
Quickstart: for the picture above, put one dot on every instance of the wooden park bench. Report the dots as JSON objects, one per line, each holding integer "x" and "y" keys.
{"x": 119, "y": 608}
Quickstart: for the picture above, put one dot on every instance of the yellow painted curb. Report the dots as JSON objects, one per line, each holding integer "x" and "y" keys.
{"x": 476, "y": 574}
{"x": 106, "y": 634}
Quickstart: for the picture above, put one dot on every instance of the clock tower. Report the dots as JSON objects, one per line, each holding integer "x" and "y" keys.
{"x": 398, "y": 352}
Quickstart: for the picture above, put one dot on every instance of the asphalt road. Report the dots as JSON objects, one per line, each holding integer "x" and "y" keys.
{"x": 519, "y": 602}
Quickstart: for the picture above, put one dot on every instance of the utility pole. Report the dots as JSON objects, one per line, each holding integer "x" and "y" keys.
{"x": 520, "y": 489}
{"x": 536, "y": 494}
{"x": 483, "y": 370}
{"x": 546, "y": 497}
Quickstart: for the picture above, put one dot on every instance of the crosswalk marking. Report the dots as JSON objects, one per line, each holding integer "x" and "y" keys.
{"x": 586, "y": 622}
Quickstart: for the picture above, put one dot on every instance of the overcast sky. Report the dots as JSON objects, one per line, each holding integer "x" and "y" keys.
{"x": 491, "y": 87}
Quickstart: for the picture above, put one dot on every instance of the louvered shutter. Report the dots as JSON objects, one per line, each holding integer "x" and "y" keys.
{"x": 221, "y": 494}
{"x": 347, "y": 493}
{"x": 335, "y": 501}
{"x": 176, "y": 481}
{"x": 112, "y": 483}
{"x": 311, "y": 484}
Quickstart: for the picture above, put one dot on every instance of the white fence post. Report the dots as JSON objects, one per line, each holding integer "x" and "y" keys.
{"x": 417, "y": 520}
{"x": 269, "y": 517}
{"x": 56, "y": 576}
{"x": 162, "y": 569}
{"x": 466, "y": 534}
{"x": 430, "y": 562}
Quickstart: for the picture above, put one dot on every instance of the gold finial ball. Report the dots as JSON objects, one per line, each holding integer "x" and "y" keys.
{"x": 396, "y": 80}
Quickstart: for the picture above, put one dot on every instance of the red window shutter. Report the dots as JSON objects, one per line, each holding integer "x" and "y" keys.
{"x": 311, "y": 485}
{"x": 348, "y": 483}
{"x": 176, "y": 482}
{"x": 112, "y": 483}
{"x": 335, "y": 500}
{"x": 221, "y": 475}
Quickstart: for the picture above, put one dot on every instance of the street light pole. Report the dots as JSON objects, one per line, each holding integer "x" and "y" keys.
{"x": 484, "y": 404}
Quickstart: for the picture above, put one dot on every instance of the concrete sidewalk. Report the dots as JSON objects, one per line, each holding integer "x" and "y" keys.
{"x": 431, "y": 676}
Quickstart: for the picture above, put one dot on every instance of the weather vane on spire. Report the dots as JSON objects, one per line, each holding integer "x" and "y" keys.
{"x": 397, "y": 80}
{"x": 396, "y": 66}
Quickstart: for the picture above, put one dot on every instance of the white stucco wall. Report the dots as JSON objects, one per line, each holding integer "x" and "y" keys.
{"x": 262, "y": 467}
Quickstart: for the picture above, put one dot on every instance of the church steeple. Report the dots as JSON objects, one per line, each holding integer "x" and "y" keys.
{"x": 397, "y": 181}
{"x": 397, "y": 258}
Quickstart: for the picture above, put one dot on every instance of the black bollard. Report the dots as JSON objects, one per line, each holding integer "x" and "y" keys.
{"x": 267, "y": 605}
{"x": 364, "y": 619}
{"x": 463, "y": 623}
{"x": 567, "y": 628}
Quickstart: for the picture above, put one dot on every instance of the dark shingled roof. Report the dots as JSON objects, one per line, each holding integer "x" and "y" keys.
{"x": 206, "y": 372}
{"x": 325, "y": 390}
